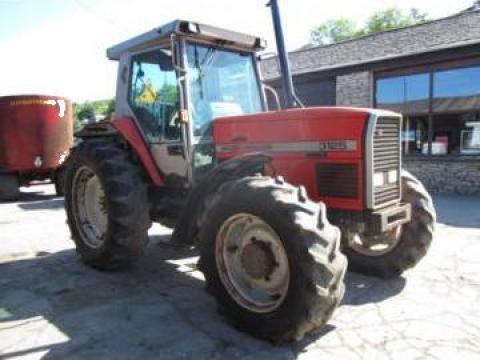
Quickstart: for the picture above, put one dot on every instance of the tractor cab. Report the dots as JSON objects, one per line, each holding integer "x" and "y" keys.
{"x": 174, "y": 80}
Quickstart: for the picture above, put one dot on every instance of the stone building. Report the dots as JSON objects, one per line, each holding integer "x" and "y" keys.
{"x": 429, "y": 72}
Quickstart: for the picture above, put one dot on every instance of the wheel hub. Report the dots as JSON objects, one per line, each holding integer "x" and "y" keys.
{"x": 252, "y": 263}
{"x": 377, "y": 245}
{"x": 90, "y": 207}
{"x": 258, "y": 259}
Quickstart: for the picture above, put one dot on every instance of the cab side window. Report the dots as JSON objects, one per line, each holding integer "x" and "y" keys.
{"x": 153, "y": 95}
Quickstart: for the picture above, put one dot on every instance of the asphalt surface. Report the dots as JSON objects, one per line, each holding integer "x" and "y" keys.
{"x": 54, "y": 307}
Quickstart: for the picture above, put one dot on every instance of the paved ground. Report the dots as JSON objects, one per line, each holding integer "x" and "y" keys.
{"x": 53, "y": 307}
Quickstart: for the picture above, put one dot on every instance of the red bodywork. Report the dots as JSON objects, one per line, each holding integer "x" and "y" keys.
{"x": 130, "y": 133}
{"x": 298, "y": 141}
{"x": 34, "y": 127}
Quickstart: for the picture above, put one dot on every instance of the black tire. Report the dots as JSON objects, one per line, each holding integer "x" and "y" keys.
{"x": 126, "y": 204}
{"x": 415, "y": 239}
{"x": 316, "y": 265}
{"x": 9, "y": 187}
{"x": 59, "y": 182}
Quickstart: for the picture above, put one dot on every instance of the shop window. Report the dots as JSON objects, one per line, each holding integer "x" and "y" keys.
{"x": 456, "y": 134}
{"x": 456, "y": 90}
{"x": 453, "y": 109}
{"x": 407, "y": 94}
{"x": 456, "y": 102}
{"x": 415, "y": 134}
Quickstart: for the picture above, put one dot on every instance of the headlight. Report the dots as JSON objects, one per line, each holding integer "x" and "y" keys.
{"x": 392, "y": 176}
{"x": 378, "y": 179}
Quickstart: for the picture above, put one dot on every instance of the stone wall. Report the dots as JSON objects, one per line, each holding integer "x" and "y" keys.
{"x": 355, "y": 89}
{"x": 447, "y": 176}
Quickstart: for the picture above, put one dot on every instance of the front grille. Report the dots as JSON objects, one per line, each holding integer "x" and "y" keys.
{"x": 387, "y": 157}
{"x": 337, "y": 180}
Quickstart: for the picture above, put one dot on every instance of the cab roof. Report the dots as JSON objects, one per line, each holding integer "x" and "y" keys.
{"x": 186, "y": 28}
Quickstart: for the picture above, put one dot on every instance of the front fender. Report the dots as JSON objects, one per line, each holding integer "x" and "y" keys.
{"x": 126, "y": 129}
{"x": 186, "y": 229}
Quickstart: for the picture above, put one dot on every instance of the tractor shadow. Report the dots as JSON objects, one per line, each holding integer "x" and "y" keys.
{"x": 51, "y": 203}
{"x": 39, "y": 198}
{"x": 54, "y": 307}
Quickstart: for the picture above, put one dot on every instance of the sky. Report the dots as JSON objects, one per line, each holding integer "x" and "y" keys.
{"x": 57, "y": 47}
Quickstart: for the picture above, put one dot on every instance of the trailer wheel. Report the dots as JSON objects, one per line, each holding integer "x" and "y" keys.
{"x": 271, "y": 258}
{"x": 9, "y": 187}
{"x": 59, "y": 182}
{"x": 390, "y": 254}
{"x": 107, "y": 205}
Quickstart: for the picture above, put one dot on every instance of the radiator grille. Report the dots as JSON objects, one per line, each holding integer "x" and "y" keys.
{"x": 337, "y": 180}
{"x": 386, "y": 157}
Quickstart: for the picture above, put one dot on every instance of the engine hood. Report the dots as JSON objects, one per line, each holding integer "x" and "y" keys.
{"x": 333, "y": 131}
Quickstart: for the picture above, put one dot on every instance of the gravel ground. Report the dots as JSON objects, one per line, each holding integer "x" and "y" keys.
{"x": 53, "y": 307}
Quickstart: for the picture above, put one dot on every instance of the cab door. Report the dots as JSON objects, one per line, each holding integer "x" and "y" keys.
{"x": 154, "y": 100}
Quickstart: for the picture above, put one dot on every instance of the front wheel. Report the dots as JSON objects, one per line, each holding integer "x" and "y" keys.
{"x": 390, "y": 254}
{"x": 271, "y": 258}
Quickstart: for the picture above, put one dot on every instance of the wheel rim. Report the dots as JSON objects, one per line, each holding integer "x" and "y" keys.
{"x": 377, "y": 245}
{"x": 90, "y": 207}
{"x": 252, "y": 263}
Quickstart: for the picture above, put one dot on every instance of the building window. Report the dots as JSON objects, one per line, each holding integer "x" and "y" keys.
{"x": 456, "y": 102}
{"x": 452, "y": 109}
{"x": 405, "y": 94}
{"x": 409, "y": 95}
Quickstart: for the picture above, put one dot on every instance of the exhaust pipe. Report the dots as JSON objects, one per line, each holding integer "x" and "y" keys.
{"x": 290, "y": 98}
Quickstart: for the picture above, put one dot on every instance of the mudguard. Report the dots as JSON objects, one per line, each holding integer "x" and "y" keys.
{"x": 126, "y": 129}
{"x": 186, "y": 229}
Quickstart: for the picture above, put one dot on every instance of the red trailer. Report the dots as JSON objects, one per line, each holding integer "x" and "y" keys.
{"x": 36, "y": 134}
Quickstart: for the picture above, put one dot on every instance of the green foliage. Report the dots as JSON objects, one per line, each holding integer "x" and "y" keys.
{"x": 342, "y": 29}
{"x": 393, "y": 18}
{"x": 333, "y": 31}
{"x": 91, "y": 110}
{"x": 169, "y": 93}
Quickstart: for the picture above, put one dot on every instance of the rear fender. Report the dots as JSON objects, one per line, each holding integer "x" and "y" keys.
{"x": 126, "y": 129}
{"x": 186, "y": 229}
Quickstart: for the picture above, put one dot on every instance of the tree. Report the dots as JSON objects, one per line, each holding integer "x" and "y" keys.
{"x": 85, "y": 111}
{"x": 342, "y": 29}
{"x": 110, "y": 109}
{"x": 393, "y": 18}
{"x": 333, "y": 31}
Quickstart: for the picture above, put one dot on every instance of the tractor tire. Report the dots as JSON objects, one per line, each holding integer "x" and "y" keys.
{"x": 107, "y": 205}
{"x": 59, "y": 182}
{"x": 414, "y": 239}
{"x": 9, "y": 188}
{"x": 284, "y": 277}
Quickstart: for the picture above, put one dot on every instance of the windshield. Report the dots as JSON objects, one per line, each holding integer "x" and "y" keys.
{"x": 222, "y": 83}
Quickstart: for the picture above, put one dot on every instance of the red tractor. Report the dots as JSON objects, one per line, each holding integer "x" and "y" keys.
{"x": 194, "y": 147}
{"x": 36, "y": 134}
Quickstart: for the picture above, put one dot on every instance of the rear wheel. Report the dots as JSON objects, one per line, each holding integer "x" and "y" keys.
{"x": 390, "y": 254}
{"x": 271, "y": 258}
{"x": 9, "y": 187}
{"x": 107, "y": 205}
